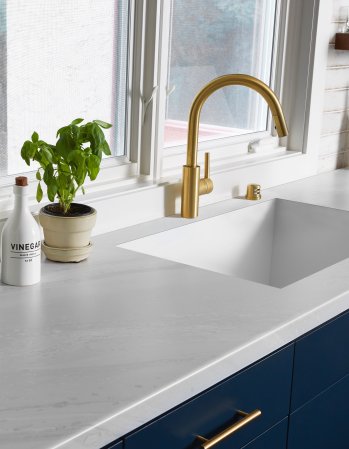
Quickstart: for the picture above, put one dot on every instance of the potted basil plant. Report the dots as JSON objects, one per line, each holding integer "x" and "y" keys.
{"x": 63, "y": 167}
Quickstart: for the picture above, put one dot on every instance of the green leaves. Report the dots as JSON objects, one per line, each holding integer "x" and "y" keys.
{"x": 93, "y": 162}
{"x": 77, "y": 121}
{"x": 52, "y": 189}
{"x": 76, "y": 159}
{"x": 26, "y": 151}
{"x": 65, "y": 144}
{"x": 39, "y": 193}
{"x": 35, "y": 137}
{"x": 62, "y": 130}
{"x": 97, "y": 135}
{"x": 65, "y": 165}
{"x": 46, "y": 151}
{"x": 48, "y": 174}
{"x": 106, "y": 148}
{"x": 102, "y": 124}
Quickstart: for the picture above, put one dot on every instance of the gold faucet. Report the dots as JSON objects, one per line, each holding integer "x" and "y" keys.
{"x": 192, "y": 185}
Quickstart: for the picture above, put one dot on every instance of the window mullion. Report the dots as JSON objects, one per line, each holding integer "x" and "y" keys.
{"x": 152, "y": 84}
{"x": 278, "y": 65}
{"x": 148, "y": 89}
{"x": 163, "y": 88}
{"x": 137, "y": 38}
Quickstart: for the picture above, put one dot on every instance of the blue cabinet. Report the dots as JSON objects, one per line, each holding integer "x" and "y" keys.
{"x": 320, "y": 392}
{"x": 323, "y": 422}
{"x": 264, "y": 386}
{"x": 321, "y": 359}
{"x": 302, "y": 391}
{"x": 274, "y": 438}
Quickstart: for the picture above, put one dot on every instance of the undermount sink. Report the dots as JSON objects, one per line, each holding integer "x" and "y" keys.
{"x": 275, "y": 242}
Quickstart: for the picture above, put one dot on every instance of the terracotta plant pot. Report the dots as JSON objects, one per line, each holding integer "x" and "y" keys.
{"x": 67, "y": 237}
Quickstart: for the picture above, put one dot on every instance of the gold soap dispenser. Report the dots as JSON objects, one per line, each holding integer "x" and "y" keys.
{"x": 253, "y": 192}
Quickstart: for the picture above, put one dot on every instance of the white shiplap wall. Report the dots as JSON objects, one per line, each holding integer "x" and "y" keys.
{"x": 334, "y": 147}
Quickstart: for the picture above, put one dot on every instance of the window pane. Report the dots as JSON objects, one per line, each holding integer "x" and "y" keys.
{"x": 61, "y": 59}
{"x": 210, "y": 38}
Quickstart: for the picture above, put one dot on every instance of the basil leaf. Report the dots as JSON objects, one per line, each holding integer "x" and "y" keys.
{"x": 77, "y": 121}
{"x": 39, "y": 193}
{"x": 51, "y": 191}
{"x": 35, "y": 137}
{"x": 102, "y": 124}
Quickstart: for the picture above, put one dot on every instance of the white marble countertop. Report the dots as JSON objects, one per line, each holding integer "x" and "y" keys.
{"x": 101, "y": 347}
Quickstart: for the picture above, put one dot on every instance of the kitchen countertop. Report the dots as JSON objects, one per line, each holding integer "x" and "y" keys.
{"x": 101, "y": 347}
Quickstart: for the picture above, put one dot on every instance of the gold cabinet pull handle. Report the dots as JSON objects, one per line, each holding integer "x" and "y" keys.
{"x": 247, "y": 418}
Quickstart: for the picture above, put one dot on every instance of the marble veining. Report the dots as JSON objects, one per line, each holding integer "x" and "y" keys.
{"x": 101, "y": 347}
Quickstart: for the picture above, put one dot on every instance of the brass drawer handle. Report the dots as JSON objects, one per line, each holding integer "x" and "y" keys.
{"x": 247, "y": 418}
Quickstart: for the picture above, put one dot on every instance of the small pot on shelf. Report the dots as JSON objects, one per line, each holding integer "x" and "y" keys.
{"x": 341, "y": 41}
{"x": 67, "y": 236}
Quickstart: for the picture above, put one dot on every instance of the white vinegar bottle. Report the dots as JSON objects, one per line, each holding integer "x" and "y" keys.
{"x": 21, "y": 241}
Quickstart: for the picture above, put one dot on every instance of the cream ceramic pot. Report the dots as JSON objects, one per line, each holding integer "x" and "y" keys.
{"x": 65, "y": 233}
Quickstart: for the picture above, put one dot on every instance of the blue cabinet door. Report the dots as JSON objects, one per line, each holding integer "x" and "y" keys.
{"x": 274, "y": 438}
{"x": 265, "y": 386}
{"x": 320, "y": 360}
{"x": 323, "y": 422}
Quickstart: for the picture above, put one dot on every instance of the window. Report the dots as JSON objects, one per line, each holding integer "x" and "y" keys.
{"x": 210, "y": 38}
{"x": 139, "y": 64}
{"x": 292, "y": 32}
{"x": 61, "y": 60}
{"x": 201, "y": 40}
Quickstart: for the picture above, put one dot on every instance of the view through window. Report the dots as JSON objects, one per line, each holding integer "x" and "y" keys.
{"x": 210, "y": 38}
{"x": 60, "y": 60}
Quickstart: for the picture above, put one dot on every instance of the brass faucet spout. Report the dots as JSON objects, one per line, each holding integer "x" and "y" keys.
{"x": 218, "y": 83}
{"x": 192, "y": 184}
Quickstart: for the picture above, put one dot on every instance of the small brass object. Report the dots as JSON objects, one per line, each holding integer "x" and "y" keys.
{"x": 253, "y": 192}
{"x": 192, "y": 185}
{"x": 247, "y": 418}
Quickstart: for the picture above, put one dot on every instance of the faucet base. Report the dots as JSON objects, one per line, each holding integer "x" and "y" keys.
{"x": 190, "y": 191}
{"x": 192, "y": 187}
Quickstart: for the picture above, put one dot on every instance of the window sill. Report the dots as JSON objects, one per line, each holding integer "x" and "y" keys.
{"x": 115, "y": 175}
{"x": 126, "y": 202}
{"x": 231, "y": 163}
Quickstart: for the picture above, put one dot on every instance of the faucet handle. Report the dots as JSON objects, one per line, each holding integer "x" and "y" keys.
{"x": 206, "y": 184}
{"x": 207, "y": 166}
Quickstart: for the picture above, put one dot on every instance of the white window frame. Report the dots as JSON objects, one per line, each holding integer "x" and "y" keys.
{"x": 115, "y": 171}
{"x": 294, "y": 63}
{"x": 303, "y": 65}
{"x": 225, "y": 152}
{"x": 232, "y": 147}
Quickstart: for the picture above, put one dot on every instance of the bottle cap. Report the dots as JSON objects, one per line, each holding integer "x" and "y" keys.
{"x": 21, "y": 181}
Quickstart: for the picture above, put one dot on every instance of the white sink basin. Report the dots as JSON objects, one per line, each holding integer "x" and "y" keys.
{"x": 276, "y": 242}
